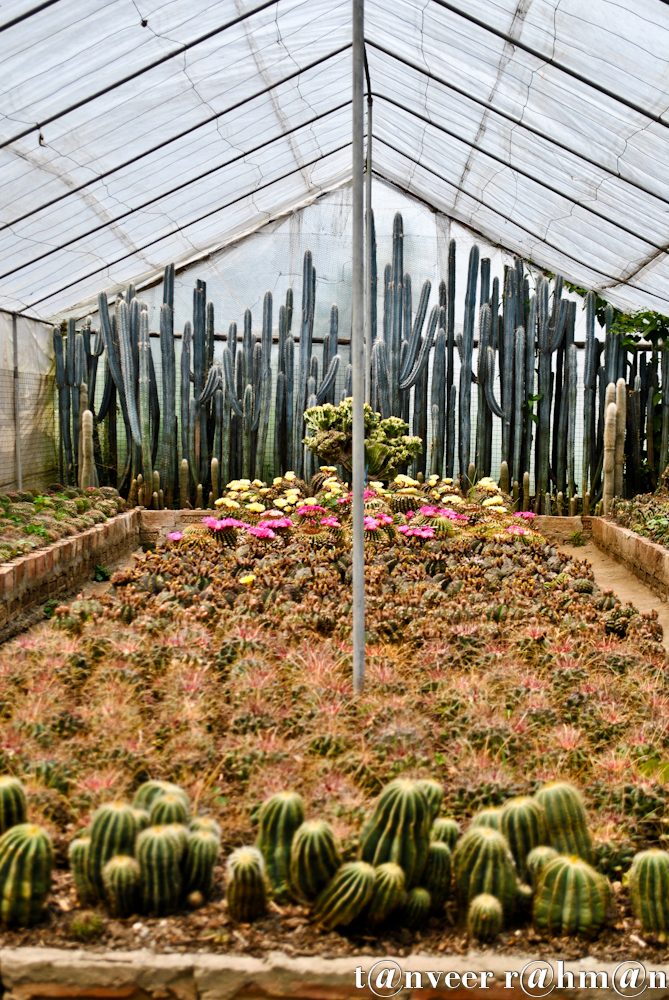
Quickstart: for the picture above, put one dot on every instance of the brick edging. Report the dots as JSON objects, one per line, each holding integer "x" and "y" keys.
{"x": 647, "y": 560}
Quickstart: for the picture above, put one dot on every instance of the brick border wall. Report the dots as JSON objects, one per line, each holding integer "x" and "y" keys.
{"x": 30, "y": 580}
{"x": 648, "y": 561}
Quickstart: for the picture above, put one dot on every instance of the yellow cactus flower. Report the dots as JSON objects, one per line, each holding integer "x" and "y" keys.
{"x": 292, "y": 493}
{"x": 234, "y": 485}
{"x": 219, "y": 502}
{"x": 452, "y": 500}
{"x": 377, "y": 486}
{"x": 256, "y": 508}
{"x": 244, "y": 482}
{"x": 280, "y": 502}
{"x": 328, "y": 468}
{"x": 248, "y": 579}
{"x": 277, "y": 481}
{"x": 263, "y": 491}
{"x": 258, "y": 483}
{"x": 230, "y": 504}
{"x": 493, "y": 502}
{"x": 290, "y": 476}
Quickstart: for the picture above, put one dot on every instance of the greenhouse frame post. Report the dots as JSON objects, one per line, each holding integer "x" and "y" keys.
{"x": 17, "y": 407}
{"x": 368, "y": 245}
{"x": 358, "y": 347}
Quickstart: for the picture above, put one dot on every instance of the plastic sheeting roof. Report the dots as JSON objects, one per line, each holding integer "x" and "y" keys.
{"x": 137, "y": 132}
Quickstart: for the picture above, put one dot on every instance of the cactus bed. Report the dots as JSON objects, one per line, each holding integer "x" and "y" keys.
{"x": 32, "y": 519}
{"x": 494, "y": 664}
{"x": 646, "y": 514}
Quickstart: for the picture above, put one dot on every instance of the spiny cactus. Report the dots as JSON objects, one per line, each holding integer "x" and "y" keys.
{"x": 523, "y": 825}
{"x": 26, "y": 860}
{"x": 113, "y": 831}
{"x": 434, "y": 795}
{"x": 397, "y": 830}
{"x": 491, "y": 817}
{"x": 436, "y": 876}
{"x": 247, "y": 888}
{"x": 207, "y": 823}
{"x": 202, "y": 849}
{"x": 648, "y": 882}
{"x": 485, "y": 917}
{"x": 280, "y": 816}
{"x": 445, "y": 829}
{"x": 169, "y": 807}
{"x": 12, "y": 802}
{"x": 150, "y": 790}
{"x": 536, "y": 861}
{"x": 159, "y": 853}
{"x": 314, "y": 858}
{"x": 610, "y": 431}
{"x": 389, "y": 883}
{"x": 482, "y": 862}
{"x": 571, "y": 898}
{"x": 416, "y": 906}
{"x": 566, "y": 821}
{"x": 78, "y": 854}
{"x": 121, "y": 876}
{"x": 345, "y": 896}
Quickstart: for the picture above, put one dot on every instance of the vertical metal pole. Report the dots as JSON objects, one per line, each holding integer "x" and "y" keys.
{"x": 368, "y": 245}
{"x": 358, "y": 349}
{"x": 17, "y": 416}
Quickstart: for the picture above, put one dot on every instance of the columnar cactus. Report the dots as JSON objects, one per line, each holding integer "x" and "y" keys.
{"x": 571, "y": 898}
{"x": 26, "y": 860}
{"x": 280, "y": 817}
{"x": 482, "y": 862}
{"x": 246, "y": 889}
{"x": 159, "y": 854}
{"x": 522, "y": 823}
{"x": 648, "y": 882}
{"x": 397, "y": 830}
{"x": 345, "y": 896}
{"x": 121, "y": 876}
{"x": 389, "y": 887}
{"x": 12, "y": 802}
{"x": 566, "y": 821}
{"x": 78, "y": 854}
{"x": 485, "y": 917}
{"x": 315, "y": 857}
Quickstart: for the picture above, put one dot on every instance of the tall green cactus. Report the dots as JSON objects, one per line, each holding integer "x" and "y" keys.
{"x": 280, "y": 817}
{"x": 397, "y": 829}
{"x": 465, "y": 347}
{"x": 26, "y": 859}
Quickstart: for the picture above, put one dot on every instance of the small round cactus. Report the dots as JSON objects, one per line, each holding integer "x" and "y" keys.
{"x": 485, "y": 917}
{"x": 207, "y": 823}
{"x": 482, "y": 863}
{"x": 314, "y": 858}
{"x": 26, "y": 860}
{"x": 12, "y": 802}
{"x": 280, "y": 817}
{"x": 78, "y": 855}
{"x": 397, "y": 830}
{"x": 571, "y": 898}
{"x": 523, "y": 825}
{"x": 491, "y": 818}
{"x": 113, "y": 831}
{"x": 537, "y": 860}
{"x": 389, "y": 882}
{"x": 169, "y": 807}
{"x": 345, "y": 896}
{"x": 434, "y": 794}
{"x": 142, "y": 818}
{"x": 147, "y": 792}
{"x": 86, "y": 926}
{"x": 566, "y": 820}
{"x": 121, "y": 877}
{"x": 436, "y": 876}
{"x": 648, "y": 882}
{"x": 416, "y": 906}
{"x": 246, "y": 890}
{"x": 446, "y": 830}
{"x": 159, "y": 853}
{"x": 201, "y": 856}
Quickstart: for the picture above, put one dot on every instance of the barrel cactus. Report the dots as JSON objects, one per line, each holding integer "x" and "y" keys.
{"x": 26, "y": 860}
{"x": 389, "y": 883}
{"x": 436, "y": 875}
{"x": 246, "y": 889}
{"x": 397, "y": 830}
{"x": 648, "y": 882}
{"x": 169, "y": 807}
{"x": 121, "y": 877}
{"x": 207, "y": 823}
{"x": 566, "y": 820}
{"x": 12, "y": 802}
{"x": 522, "y": 823}
{"x": 571, "y": 898}
{"x": 314, "y": 858}
{"x": 113, "y": 831}
{"x": 491, "y": 818}
{"x": 345, "y": 896}
{"x": 446, "y": 830}
{"x": 416, "y": 906}
{"x": 150, "y": 790}
{"x": 78, "y": 854}
{"x": 280, "y": 817}
{"x": 201, "y": 855}
{"x": 482, "y": 863}
{"x": 485, "y": 917}
{"x": 159, "y": 854}
{"x": 434, "y": 795}
{"x": 536, "y": 861}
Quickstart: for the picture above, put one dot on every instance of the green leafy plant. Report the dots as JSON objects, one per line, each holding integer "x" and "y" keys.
{"x": 101, "y": 574}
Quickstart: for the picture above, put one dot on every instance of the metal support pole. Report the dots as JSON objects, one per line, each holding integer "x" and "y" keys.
{"x": 368, "y": 245}
{"x": 358, "y": 348}
{"x": 17, "y": 416}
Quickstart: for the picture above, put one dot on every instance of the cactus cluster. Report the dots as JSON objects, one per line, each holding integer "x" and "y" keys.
{"x": 147, "y": 856}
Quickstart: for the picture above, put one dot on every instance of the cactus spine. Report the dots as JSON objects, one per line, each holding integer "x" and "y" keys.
{"x": 571, "y": 898}
{"x": 566, "y": 821}
{"x": 648, "y": 882}
{"x": 522, "y": 823}
{"x": 482, "y": 862}
{"x": 246, "y": 890}
{"x": 280, "y": 817}
{"x": 202, "y": 850}
{"x": 314, "y": 858}
{"x": 398, "y": 830}
{"x": 12, "y": 802}
{"x": 159, "y": 854}
{"x": 113, "y": 831}
{"x": 389, "y": 883}
{"x": 345, "y": 896}
{"x": 121, "y": 876}
{"x": 26, "y": 860}
{"x": 485, "y": 917}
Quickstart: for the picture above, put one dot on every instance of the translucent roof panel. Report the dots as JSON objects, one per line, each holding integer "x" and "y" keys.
{"x": 137, "y": 132}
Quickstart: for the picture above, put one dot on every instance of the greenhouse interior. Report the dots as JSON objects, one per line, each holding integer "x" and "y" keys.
{"x": 334, "y": 499}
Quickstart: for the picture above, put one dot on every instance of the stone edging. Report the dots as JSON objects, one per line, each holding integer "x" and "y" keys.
{"x": 57, "y": 570}
{"x": 648, "y": 561}
{"x": 39, "y": 973}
